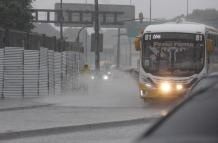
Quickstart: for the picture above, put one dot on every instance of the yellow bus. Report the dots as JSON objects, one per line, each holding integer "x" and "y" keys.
{"x": 174, "y": 56}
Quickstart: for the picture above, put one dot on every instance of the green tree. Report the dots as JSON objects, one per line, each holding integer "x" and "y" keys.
{"x": 15, "y": 14}
{"x": 206, "y": 16}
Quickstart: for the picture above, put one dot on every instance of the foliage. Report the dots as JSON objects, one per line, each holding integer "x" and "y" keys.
{"x": 15, "y": 14}
{"x": 207, "y": 16}
{"x": 204, "y": 15}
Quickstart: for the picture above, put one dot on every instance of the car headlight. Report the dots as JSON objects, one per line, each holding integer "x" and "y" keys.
{"x": 92, "y": 77}
{"x": 165, "y": 87}
{"x": 105, "y": 77}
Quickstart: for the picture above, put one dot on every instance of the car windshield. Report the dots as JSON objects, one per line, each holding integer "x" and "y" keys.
{"x": 99, "y": 71}
{"x": 179, "y": 57}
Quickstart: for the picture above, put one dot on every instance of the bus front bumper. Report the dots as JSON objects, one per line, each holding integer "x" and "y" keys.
{"x": 156, "y": 92}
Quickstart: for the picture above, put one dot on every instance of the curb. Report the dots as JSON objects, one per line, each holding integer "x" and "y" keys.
{"x": 24, "y": 107}
{"x": 72, "y": 128}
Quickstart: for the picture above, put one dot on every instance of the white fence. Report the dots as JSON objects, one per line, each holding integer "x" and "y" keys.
{"x": 1, "y": 71}
{"x": 57, "y": 72}
{"x": 31, "y": 73}
{"x": 13, "y": 71}
{"x": 43, "y": 72}
{"x": 37, "y": 72}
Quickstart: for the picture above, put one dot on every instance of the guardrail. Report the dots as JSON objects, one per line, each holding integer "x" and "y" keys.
{"x": 34, "y": 65}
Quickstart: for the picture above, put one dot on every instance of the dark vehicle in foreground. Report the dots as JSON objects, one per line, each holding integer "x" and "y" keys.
{"x": 194, "y": 120}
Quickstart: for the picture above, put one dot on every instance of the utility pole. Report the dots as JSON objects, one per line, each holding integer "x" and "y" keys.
{"x": 86, "y": 45}
{"x": 118, "y": 48}
{"x": 61, "y": 46}
{"x": 187, "y": 7}
{"x": 61, "y": 21}
{"x": 150, "y": 11}
{"x": 130, "y": 52}
{"x": 97, "y": 55}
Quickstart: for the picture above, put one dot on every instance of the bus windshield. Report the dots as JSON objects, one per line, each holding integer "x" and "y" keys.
{"x": 168, "y": 55}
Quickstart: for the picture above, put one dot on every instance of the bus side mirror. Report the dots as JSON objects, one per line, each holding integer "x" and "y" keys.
{"x": 137, "y": 42}
{"x": 209, "y": 45}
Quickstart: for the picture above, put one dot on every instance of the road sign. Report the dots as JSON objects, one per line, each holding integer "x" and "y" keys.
{"x": 110, "y": 16}
{"x": 93, "y": 43}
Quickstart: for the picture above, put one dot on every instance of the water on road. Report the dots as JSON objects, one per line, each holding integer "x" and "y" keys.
{"x": 119, "y": 91}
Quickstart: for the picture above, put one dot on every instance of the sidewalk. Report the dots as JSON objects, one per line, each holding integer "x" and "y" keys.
{"x": 17, "y": 103}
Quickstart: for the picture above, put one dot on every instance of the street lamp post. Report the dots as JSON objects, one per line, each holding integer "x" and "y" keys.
{"x": 86, "y": 45}
{"x": 61, "y": 20}
{"x": 187, "y": 6}
{"x": 61, "y": 46}
{"x": 77, "y": 37}
{"x": 150, "y": 11}
{"x": 78, "y": 43}
{"x": 130, "y": 52}
{"x": 97, "y": 55}
{"x": 118, "y": 49}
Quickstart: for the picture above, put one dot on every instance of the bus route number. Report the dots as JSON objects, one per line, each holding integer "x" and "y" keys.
{"x": 152, "y": 37}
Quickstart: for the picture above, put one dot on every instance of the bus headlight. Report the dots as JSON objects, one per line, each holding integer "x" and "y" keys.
{"x": 179, "y": 87}
{"x": 165, "y": 87}
{"x": 105, "y": 77}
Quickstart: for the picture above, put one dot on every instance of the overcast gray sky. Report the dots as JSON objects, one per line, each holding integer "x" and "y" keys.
{"x": 160, "y": 8}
